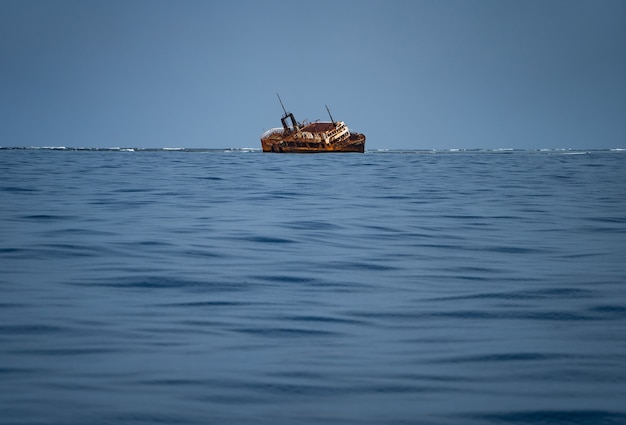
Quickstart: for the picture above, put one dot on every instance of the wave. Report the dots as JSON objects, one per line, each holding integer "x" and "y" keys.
{"x": 375, "y": 151}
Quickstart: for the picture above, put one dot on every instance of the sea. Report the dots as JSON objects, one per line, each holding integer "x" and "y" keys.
{"x": 179, "y": 286}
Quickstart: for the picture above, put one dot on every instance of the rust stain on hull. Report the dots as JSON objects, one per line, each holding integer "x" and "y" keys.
{"x": 295, "y": 137}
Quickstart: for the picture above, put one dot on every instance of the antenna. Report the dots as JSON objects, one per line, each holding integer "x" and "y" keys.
{"x": 331, "y": 117}
{"x": 281, "y": 104}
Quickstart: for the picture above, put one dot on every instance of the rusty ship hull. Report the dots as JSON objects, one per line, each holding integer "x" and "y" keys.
{"x": 295, "y": 137}
{"x": 311, "y": 142}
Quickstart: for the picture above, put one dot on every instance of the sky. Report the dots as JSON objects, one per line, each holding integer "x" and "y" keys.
{"x": 416, "y": 74}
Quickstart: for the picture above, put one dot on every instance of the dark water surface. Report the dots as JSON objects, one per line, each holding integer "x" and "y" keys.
{"x": 249, "y": 288}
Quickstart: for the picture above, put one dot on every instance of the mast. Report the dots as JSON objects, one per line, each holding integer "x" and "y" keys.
{"x": 281, "y": 104}
{"x": 331, "y": 117}
{"x": 289, "y": 115}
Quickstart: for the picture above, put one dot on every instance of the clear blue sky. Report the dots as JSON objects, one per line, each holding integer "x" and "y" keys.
{"x": 418, "y": 74}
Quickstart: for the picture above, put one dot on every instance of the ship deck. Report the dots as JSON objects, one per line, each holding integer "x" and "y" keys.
{"x": 318, "y": 127}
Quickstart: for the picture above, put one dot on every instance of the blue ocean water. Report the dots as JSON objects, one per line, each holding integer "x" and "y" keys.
{"x": 235, "y": 287}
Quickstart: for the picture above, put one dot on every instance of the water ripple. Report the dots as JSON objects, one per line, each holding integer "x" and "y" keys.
{"x": 428, "y": 288}
{"x": 548, "y": 417}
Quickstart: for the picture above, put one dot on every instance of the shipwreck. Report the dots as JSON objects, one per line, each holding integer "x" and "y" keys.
{"x": 295, "y": 137}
